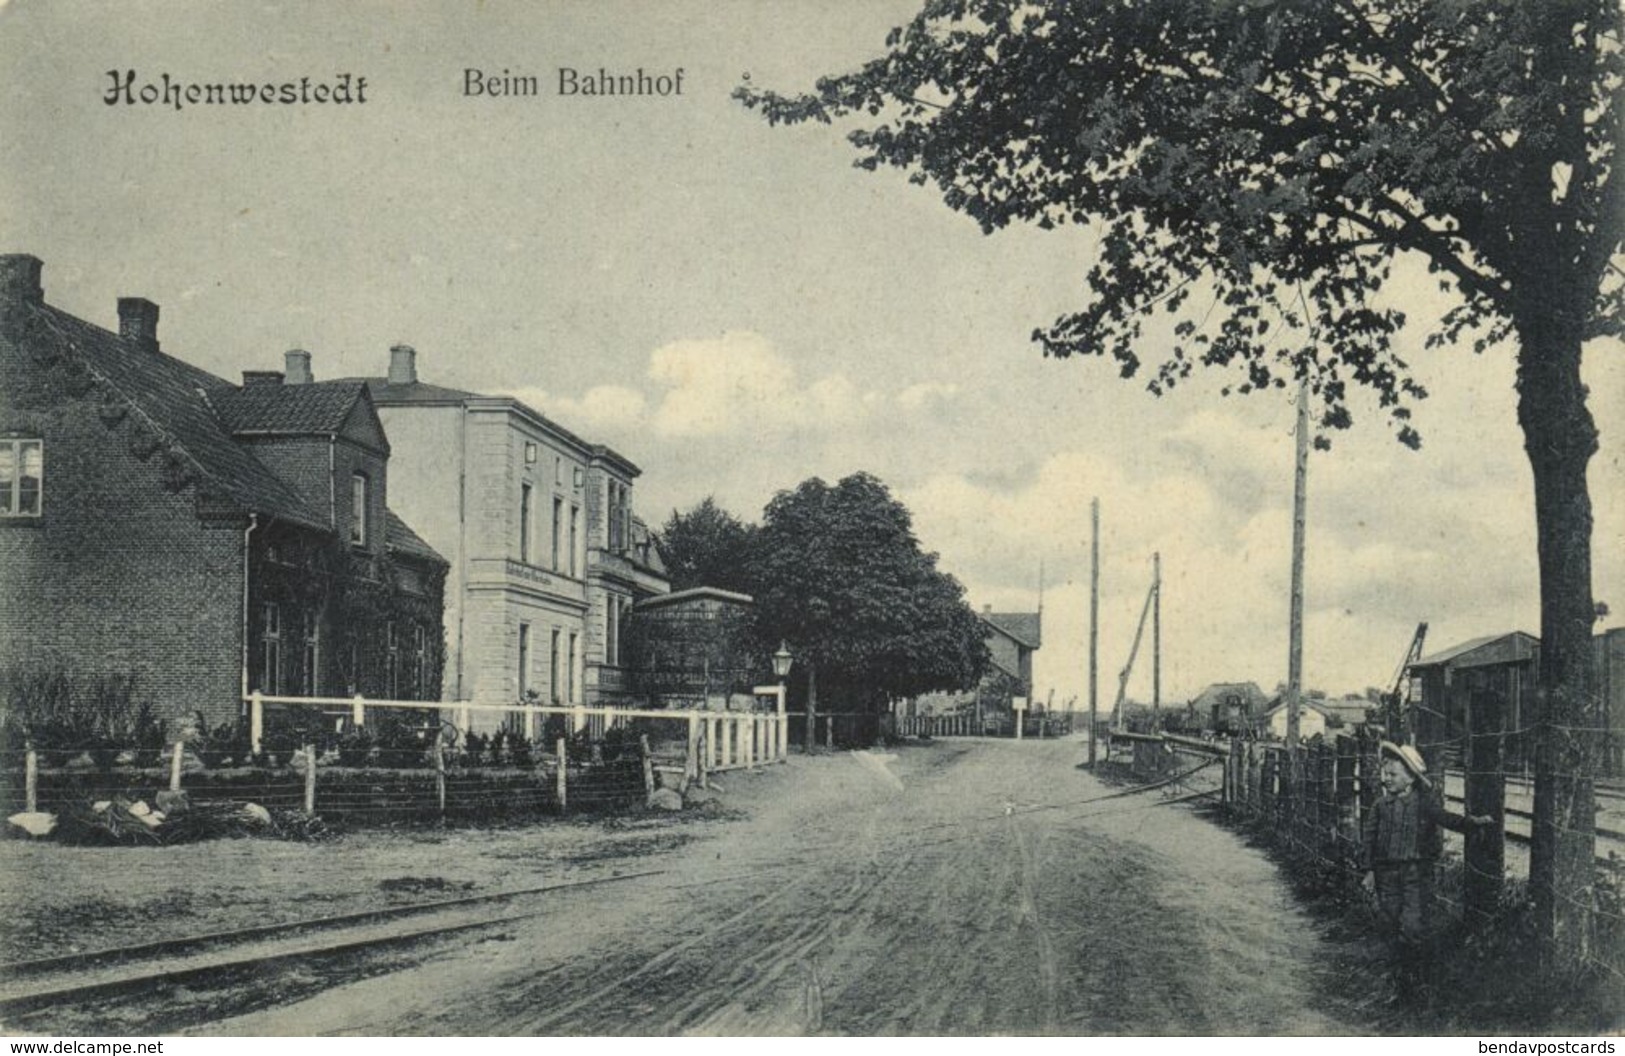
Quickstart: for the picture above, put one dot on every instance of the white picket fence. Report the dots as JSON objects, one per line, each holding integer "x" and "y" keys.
{"x": 713, "y": 740}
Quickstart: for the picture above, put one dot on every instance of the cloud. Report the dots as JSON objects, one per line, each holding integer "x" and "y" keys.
{"x": 1213, "y": 496}
{"x": 925, "y": 394}
{"x": 610, "y": 408}
{"x": 739, "y": 383}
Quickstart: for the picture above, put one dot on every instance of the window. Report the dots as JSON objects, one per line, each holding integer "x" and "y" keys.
{"x": 271, "y": 648}
{"x": 524, "y": 660}
{"x": 22, "y": 477}
{"x": 553, "y": 670}
{"x": 558, "y": 469}
{"x": 558, "y": 525}
{"x": 610, "y": 611}
{"x": 575, "y": 532}
{"x": 524, "y": 523}
{"x": 420, "y": 657}
{"x": 530, "y": 453}
{"x": 308, "y": 660}
{"x": 617, "y": 518}
{"x": 392, "y": 652}
{"x": 570, "y": 670}
{"x": 358, "y": 509}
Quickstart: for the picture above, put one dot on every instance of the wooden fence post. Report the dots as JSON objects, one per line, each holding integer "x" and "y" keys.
{"x": 175, "y": 766}
{"x": 829, "y": 731}
{"x": 1329, "y": 828}
{"x": 256, "y": 721}
{"x": 648, "y": 769}
{"x": 310, "y": 779}
{"x": 440, "y": 775}
{"x": 1343, "y": 793}
{"x": 358, "y": 711}
{"x": 31, "y": 779}
{"x": 1485, "y": 794}
{"x": 563, "y": 780}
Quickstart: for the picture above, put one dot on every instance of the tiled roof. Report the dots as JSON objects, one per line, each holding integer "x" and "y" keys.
{"x": 177, "y": 400}
{"x": 320, "y": 407}
{"x": 1024, "y": 627}
{"x": 401, "y": 538}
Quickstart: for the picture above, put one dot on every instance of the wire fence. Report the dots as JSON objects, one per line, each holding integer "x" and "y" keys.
{"x": 1315, "y": 802}
{"x": 579, "y": 775}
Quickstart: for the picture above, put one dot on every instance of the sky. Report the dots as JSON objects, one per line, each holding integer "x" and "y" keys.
{"x": 737, "y": 308}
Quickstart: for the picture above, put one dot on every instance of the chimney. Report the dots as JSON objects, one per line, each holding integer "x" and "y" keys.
{"x": 403, "y": 365}
{"x": 138, "y": 322}
{"x": 19, "y": 279}
{"x": 254, "y": 379}
{"x": 296, "y": 364}
{"x": 987, "y": 609}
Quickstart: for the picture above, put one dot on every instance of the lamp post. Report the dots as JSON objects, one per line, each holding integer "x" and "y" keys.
{"x": 781, "y": 670}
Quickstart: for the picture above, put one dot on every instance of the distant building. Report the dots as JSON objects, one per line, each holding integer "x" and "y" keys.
{"x": 547, "y": 557}
{"x": 691, "y": 648}
{"x": 1313, "y": 720}
{"x": 1503, "y": 672}
{"x": 207, "y": 539}
{"x": 1012, "y": 639}
{"x": 1500, "y": 668}
{"x": 1226, "y": 707}
{"x": 1349, "y": 713}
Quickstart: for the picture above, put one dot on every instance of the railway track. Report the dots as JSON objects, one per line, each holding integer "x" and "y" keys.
{"x": 29, "y": 986}
{"x": 1604, "y": 832}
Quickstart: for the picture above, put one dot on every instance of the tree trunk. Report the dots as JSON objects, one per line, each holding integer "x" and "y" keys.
{"x": 812, "y": 706}
{"x": 1560, "y": 437}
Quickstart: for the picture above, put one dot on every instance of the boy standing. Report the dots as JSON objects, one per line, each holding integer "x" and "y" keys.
{"x": 1403, "y": 843}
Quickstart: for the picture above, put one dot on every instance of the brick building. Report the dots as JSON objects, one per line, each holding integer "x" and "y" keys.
{"x": 547, "y": 556}
{"x": 207, "y": 538}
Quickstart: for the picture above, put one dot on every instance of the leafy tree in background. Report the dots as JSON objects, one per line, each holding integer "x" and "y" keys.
{"x": 1255, "y": 169}
{"x": 706, "y": 547}
{"x": 839, "y": 574}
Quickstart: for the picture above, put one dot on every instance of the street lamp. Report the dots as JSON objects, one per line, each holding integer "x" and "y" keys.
{"x": 781, "y": 670}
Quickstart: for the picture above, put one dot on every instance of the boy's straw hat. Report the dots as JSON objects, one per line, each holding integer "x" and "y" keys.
{"x": 1408, "y": 756}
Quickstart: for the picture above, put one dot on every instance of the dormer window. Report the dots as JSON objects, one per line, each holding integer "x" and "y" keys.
{"x": 359, "y": 486}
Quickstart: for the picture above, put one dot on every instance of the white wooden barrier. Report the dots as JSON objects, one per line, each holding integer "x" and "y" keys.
{"x": 730, "y": 739}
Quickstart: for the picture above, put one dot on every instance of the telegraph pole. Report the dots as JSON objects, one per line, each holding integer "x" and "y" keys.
{"x": 1294, "y": 665}
{"x": 1156, "y": 641}
{"x": 1094, "y": 624}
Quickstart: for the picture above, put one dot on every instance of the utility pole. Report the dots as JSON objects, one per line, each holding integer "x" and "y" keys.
{"x": 1294, "y": 664}
{"x": 1156, "y": 641}
{"x": 1094, "y": 624}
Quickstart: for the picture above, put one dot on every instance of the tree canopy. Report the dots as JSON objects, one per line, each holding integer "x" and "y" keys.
{"x": 839, "y": 574}
{"x": 1256, "y": 168}
{"x": 1275, "y": 156}
{"x": 706, "y": 547}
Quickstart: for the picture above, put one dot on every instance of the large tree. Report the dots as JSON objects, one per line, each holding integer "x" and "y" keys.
{"x": 839, "y": 574}
{"x": 1257, "y": 168}
{"x": 706, "y": 547}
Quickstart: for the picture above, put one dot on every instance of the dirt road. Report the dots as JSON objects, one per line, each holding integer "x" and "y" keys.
{"x": 960, "y": 887}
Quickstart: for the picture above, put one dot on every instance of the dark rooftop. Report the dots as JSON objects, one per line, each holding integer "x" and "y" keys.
{"x": 319, "y": 407}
